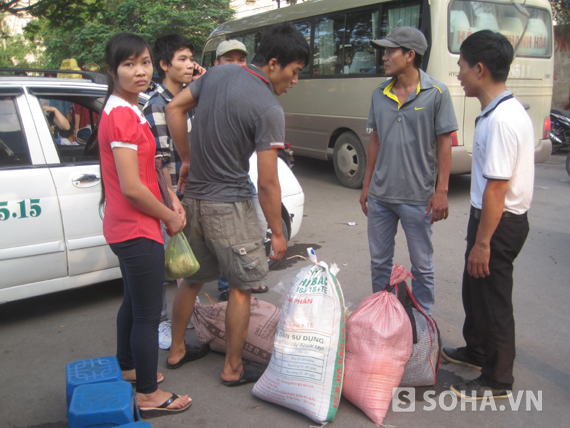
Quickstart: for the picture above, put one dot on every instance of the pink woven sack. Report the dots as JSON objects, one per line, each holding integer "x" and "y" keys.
{"x": 378, "y": 346}
{"x": 210, "y": 324}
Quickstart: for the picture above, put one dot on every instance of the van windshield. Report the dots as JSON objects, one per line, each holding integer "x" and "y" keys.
{"x": 467, "y": 17}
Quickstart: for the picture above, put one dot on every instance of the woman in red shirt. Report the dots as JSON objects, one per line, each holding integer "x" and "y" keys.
{"x": 131, "y": 225}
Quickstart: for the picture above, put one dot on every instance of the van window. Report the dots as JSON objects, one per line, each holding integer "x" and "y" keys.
{"x": 251, "y": 42}
{"x": 210, "y": 52}
{"x": 467, "y": 17}
{"x": 209, "y": 58}
{"x": 305, "y": 29}
{"x": 394, "y": 17}
{"x": 399, "y": 16}
{"x": 360, "y": 56}
{"x": 328, "y": 46}
{"x": 14, "y": 150}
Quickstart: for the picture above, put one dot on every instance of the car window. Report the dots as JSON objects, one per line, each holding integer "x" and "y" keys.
{"x": 13, "y": 148}
{"x": 71, "y": 121}
{"x": 85, "y": 120}
{"x": 59, "y": 115}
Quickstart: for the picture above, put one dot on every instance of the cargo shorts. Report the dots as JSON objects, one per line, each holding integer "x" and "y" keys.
{"x": 225, "y": 238}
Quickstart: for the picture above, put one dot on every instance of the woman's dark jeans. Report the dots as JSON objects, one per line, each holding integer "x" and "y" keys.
{"x": 142, "y": 266}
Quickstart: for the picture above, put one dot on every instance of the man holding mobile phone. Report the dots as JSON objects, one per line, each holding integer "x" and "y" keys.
{"x": 174, "y": 61}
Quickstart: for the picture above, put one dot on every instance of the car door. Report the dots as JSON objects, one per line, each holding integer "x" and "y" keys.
{"x": 32, "y": 247}
{"x": 77, "y": 178}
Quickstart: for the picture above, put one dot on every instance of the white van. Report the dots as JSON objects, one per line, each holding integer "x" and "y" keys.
{"x": 327, "y": 110}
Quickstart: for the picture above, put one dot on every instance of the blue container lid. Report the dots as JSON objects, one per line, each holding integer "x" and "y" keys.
{"x": 100, "y": 402}
{"x": 93, "y": 370}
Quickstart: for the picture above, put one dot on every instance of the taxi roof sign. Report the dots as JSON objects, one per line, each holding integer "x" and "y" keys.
{"x": 69, "y": 64}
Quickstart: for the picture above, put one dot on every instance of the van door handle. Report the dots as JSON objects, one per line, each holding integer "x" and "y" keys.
{"x": 86, "y": 180}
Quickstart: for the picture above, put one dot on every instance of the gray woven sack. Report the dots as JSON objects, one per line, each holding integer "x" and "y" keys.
{"x": 421, "y": 369}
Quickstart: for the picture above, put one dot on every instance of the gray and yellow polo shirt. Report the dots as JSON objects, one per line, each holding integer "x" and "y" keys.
{"x": 406, "y": 167}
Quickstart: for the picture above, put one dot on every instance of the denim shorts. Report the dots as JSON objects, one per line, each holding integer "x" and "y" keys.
{"x": 225, "y": 238}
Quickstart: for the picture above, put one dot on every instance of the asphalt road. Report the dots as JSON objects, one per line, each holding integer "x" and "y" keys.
{"x": 39, "y": 336}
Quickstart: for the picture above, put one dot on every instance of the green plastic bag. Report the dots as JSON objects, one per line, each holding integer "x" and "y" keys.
{"x": 180, "y": 260}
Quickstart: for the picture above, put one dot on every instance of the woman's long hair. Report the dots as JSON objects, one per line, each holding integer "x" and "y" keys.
{"x": 119, "y": 48}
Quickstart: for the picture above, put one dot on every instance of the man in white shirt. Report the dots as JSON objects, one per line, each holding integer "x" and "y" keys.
{"x": 502, "y": 179}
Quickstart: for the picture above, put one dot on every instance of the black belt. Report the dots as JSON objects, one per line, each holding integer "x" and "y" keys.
{"x": 476, "y": 213}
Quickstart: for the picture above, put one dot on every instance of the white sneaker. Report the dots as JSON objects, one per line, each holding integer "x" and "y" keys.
{"x": 164, "y": 335}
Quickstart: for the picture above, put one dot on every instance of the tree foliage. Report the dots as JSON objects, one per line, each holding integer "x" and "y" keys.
{"x": 83, "y": 34}
{"x": 560, "y": 11}
{"x": 15, "y": 49}
{"x": 52, "y": 9}
{"x": 17, "y": 52}
{"x": 14, "y": 7}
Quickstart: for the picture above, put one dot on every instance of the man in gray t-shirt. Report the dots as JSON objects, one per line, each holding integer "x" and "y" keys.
{"x": 222, "y": 145}
{"x": 235, "y": 113}
{"x": 412, "y": 118}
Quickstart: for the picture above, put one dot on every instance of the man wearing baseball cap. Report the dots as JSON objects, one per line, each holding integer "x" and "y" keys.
{"x": 411, "y": 119}
{"x": 231, "y": 52}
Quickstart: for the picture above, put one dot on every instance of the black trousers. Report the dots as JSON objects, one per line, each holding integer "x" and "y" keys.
{"x": 142, "y": 266}
{"x": 489, "y": 328}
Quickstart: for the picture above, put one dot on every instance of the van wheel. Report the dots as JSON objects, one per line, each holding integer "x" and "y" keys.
{"x": 349, "y": 160}
{"x": 269, "y": 249}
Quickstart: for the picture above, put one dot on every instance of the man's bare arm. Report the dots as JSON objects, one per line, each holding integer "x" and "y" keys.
{"x": 177, "y": 122}
{"x": 58, "y": 119}
{"x": 373, "y": 147}
{"x": 438, "y": 202}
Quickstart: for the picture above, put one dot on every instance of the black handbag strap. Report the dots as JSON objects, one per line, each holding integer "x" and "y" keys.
{"x": 407, "y": 303}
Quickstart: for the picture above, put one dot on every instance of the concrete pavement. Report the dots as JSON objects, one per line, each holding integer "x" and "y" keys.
{"x": 39, "y": 336}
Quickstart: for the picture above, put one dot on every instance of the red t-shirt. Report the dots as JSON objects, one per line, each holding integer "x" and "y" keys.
{"x": 83, "y": 112}
{"x": 122, "y": 124}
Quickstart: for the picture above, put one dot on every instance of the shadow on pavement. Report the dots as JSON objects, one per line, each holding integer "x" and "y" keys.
{"x": 289, "y": 258}
{"x": 60, "y": 301}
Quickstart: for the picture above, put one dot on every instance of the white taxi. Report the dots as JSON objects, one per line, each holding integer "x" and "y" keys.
{"x": 50, "y": 220}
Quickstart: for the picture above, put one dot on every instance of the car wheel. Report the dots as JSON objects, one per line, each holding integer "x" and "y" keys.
{"x": 269, "y": 249}
{"x": 349, "y": 160}
{"x": 568, "y": 164}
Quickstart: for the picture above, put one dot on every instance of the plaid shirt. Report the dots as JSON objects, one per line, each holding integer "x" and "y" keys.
{"x": 154, "y": 114}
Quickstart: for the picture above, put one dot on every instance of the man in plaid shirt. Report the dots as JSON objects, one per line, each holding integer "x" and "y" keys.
{"x": 175, "y": 64}
{"x": 174, "y": 61}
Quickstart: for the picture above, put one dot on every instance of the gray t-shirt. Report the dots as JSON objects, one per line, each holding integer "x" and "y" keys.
{"x": 406, "y": 167}
{"x": 237, "y": 114}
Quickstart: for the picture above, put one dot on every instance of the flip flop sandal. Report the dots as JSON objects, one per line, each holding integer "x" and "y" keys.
{"x": 263, "y": 289}
{"x": 162, "y": 410}
{"x": 252, "y": 371}
{"x": 192, "y": 353}
{"x": 134, "y": 381}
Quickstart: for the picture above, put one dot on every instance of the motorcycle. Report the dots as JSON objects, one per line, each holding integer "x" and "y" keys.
{"x": 560, "y": 133}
